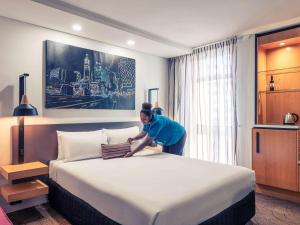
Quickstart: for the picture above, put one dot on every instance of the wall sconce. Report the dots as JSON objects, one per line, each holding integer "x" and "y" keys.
{"x": 22, "y": 110}
{"x": 153, "y": 99}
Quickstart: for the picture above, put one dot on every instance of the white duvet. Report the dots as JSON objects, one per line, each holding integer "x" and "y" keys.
{"x": 154, "y": 189}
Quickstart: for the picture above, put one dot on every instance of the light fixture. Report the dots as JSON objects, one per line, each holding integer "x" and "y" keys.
{"x": 282, "y": 43}
{"x": 23, "y": 109}
{"x": 153, "y": 100}
{"x": 77, "y": 27}
{"x": 130, "y": 42}
{"x": 288, "y": 48}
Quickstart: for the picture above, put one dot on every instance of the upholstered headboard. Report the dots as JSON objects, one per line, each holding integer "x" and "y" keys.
{"x": 41, "y": 140}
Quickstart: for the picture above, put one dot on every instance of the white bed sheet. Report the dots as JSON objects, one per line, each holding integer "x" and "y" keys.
{"x": 155, "y": 189}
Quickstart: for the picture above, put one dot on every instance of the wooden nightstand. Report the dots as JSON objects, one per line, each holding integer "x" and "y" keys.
{"x": 23, "y": 190}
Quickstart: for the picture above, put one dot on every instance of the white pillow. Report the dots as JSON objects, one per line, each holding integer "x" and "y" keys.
{"x": 62, "y": 134}
{"x": 136, "y": 143}
{"x": 117, "y": 136}
{"x": 83, "y": 147}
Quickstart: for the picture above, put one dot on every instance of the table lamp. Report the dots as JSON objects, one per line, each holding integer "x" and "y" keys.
{"x": 22, "y": 110}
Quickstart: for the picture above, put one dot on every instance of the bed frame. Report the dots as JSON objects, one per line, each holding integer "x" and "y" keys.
{"x": 41, "y": 145}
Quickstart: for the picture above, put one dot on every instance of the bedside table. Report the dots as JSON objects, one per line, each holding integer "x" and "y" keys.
{"x": 23, "y": 190}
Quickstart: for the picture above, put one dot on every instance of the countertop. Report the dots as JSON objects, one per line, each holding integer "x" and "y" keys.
{"x": 277, "y": 126}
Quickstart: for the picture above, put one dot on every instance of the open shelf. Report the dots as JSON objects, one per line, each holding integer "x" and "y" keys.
{"x": 281, "y": 71}
{"x": 22, "y": 191}
{"x": 281, "y": 91}
{"x": 13, "y": 172}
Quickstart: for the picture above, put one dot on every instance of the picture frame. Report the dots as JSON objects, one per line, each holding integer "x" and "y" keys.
{"x": 79, "y": 78}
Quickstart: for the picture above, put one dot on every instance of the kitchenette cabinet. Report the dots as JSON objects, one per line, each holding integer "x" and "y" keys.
{"x": 275, "y": 135}
{"x": 275, "y": 157}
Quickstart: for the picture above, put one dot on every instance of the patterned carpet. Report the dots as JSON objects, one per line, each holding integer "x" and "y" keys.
{"x": 269, "y": 211}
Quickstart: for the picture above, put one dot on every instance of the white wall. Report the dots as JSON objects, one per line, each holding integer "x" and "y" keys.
{"x": 21, "y": 47}
{"x": 245, "y": 98}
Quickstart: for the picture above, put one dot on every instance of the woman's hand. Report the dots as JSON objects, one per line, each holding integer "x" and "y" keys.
{"x": 129, "y": 154}
{"x": 130, "y": 140}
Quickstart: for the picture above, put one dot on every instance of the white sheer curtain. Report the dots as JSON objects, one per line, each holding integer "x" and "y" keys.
{"x": 202, "y": 97}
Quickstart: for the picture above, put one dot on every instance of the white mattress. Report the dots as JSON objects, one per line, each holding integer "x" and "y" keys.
{"x": 155, "y": 189}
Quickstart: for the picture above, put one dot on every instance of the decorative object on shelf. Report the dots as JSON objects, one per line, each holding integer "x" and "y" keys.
{"x": 272, "y": 84}
{"x": 290, "y": 118}
{"x": 23, "y": 109}
{"x": 80, "y": 78}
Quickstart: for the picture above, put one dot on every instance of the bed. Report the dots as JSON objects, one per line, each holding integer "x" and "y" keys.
{"x": 154, "y": 188}
{"x": 151, "y": 188}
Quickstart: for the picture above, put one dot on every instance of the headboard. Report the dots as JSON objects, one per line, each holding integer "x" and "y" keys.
{"x": 41, "y": 140}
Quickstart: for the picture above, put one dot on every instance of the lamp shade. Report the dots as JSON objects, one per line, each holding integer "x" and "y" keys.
{"x": 157, "y": 111}
{"x": 25, "y": 109}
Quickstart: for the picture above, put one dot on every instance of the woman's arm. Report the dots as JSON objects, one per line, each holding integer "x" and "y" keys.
{"x": 137, "y": 137}
{"x": 146, "y": 142}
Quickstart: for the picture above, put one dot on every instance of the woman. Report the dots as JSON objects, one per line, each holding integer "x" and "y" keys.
{"x": 170, "y": 134}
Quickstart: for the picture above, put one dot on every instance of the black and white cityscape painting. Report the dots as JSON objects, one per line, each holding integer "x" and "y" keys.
{"x": 85, "y": 79}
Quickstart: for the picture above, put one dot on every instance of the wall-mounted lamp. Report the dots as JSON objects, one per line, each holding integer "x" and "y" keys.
{"x": 153, "y": 99}
{"x": 23, "y": 109}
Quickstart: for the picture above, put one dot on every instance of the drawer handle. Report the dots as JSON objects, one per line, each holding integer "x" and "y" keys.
{"x": 257, "y": 142}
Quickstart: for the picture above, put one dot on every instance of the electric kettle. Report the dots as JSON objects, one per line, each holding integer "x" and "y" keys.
{"x": 290, "y": 118}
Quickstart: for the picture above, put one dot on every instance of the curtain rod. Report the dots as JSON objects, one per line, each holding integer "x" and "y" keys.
{"x": 220, "y": 41}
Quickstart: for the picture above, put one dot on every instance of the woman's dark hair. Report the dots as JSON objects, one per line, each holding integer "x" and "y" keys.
{"x": 146, "y": 109}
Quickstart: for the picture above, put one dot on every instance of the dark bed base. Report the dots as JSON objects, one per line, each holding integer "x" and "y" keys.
{"x": 78, "y": 212}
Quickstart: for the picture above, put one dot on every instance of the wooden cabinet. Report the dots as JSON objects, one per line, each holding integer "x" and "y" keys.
{"x": 275, "y": 158}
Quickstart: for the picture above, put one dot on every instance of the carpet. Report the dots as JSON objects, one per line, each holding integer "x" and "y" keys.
{"x": 273, "y": 211}
{"x": 39, "y": 215}
{"x": 269, "y": 211}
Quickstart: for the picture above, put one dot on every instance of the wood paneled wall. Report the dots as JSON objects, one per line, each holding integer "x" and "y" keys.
{"x": 272, "y": 106}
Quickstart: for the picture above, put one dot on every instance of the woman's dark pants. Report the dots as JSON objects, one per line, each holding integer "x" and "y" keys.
{"x": 177, "y": 148}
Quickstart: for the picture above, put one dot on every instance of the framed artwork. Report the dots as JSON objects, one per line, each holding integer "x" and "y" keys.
{"x": 80, "y": 78}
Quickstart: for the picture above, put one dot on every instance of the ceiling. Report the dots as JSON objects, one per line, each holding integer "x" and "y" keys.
{"x": 164, "y": 28}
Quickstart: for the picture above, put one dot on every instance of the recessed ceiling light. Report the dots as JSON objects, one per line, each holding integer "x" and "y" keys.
{"x": 130, "y": 42}
{"x": 282, "y": 44}
{"x": 288, "y": 48}
{"x": 77, "y": 27}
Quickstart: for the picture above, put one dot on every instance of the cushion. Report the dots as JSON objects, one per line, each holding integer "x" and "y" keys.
{"x": 117, "y": 136}
{"x": 62, "y": 134}
{"x": 115, "y": 151}
{"x": 82, "y": 147}
{"x": 3, "y": 218}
